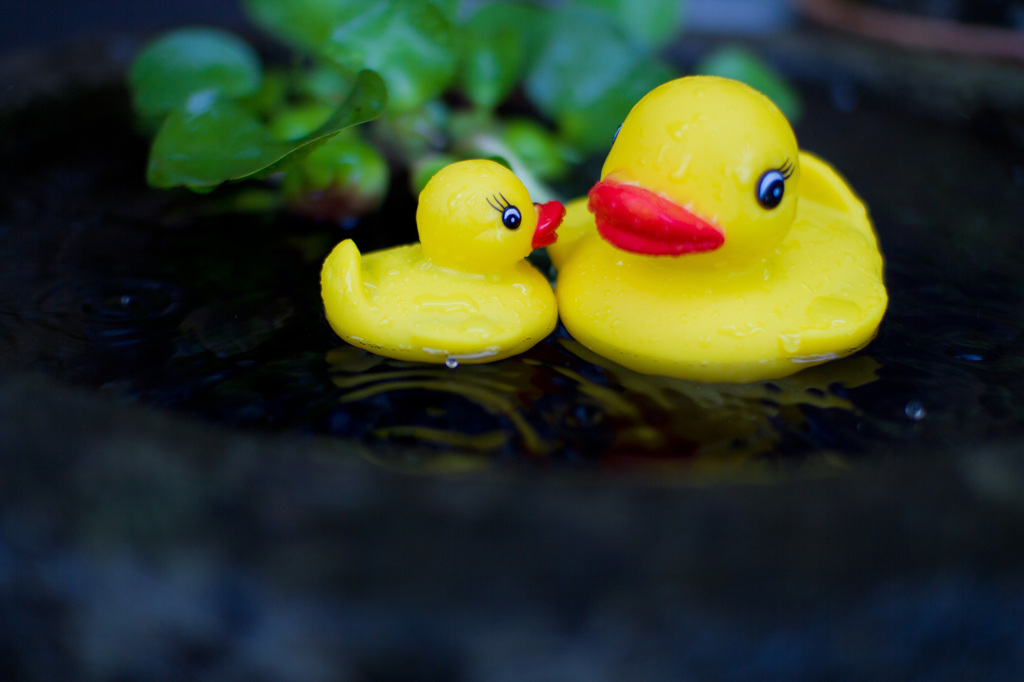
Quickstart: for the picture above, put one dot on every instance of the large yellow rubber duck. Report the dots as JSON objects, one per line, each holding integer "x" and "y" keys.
{"x": 721, "y": 251}
{"x": 464, "y": 292}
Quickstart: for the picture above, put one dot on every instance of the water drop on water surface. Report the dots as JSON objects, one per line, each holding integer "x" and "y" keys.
{"x": 969, "y": 357}
{"x": 915, "y": 410}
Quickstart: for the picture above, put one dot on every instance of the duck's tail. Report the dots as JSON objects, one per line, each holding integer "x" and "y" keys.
{"x": 341, "y": 285}
{"x": 822, "y": 184}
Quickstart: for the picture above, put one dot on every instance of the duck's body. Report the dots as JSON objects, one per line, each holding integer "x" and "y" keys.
{"x": 818, "y": 297}
{"x": 463, "y": 294}
{"x": 399, "y": 304}
{"x": 744, "y": 291}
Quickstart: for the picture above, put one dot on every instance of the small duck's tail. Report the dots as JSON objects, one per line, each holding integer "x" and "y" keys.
{"x": 341, "y": 285}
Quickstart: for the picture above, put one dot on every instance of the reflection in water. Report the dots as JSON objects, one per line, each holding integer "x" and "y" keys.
{"x": 723, "y": 426}
{"x": 560, "y": 410}
{"x": 500, "y": 389}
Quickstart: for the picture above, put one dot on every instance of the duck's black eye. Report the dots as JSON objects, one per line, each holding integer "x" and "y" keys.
{"x": 511, "y": 217}
{"x": 770, "y": 189}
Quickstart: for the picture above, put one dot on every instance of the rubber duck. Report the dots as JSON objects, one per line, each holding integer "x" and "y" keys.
{"x": 464, "y": 292}
{"x": 712, "y": 248}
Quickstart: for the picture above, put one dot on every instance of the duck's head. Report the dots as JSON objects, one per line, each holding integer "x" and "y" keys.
{"x": 477, "y": 215}
{"x": 704, "y": 166}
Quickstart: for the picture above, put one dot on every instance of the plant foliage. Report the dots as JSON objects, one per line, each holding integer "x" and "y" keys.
{"x": 211, "y": 138}
{"x": 435, "y": 78}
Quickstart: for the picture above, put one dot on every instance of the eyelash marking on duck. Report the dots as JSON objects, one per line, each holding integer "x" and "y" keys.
{"x": 502, "y": 203}
{"x": 787, "y": 169}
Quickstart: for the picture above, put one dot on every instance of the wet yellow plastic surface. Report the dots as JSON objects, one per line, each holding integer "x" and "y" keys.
{"x": 464, "y": 293}
{"x": 791, "y": 287}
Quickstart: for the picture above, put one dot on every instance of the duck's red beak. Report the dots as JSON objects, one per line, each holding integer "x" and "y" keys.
{"x": 549, "y": 217}
{"x": 638, "y": 220}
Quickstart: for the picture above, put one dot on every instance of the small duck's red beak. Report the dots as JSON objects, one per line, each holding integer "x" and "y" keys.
{"x": 638, "y": 220}
{"x": 549, "y": 217}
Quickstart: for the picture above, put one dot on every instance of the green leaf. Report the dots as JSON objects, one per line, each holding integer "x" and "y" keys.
{"x": 306, "y": 23}
{"x": 651, "y": 23}
{"x": 498, "y": 159}
{"x": 739, "y": 64}
{"x": 342, "y": 177}
{"x": 325, "y": 82}
{"x": 538, "y": 148}
{"x": 426, "y": 167}
{"x": 417, "y": 132}
{"x": 497, "y": 40}
{"x": 183, "y": 62}
{"x": 211, "y": 139}
{"x": 449, "y": 8}
{"x": 589, "y": 76}
{"x": 408, "y": 42}
{"x": 296, "y": 121}
{"x": 592, "y": 128}
{"x": 272, "y": 93}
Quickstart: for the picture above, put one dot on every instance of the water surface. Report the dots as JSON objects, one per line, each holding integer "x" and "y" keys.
{"x": 198, "y": 305}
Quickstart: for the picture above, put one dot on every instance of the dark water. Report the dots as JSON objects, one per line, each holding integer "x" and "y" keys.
{"x": 197, "y": 305}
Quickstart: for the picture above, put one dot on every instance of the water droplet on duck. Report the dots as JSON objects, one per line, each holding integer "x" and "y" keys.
{"x": 680, "y": 172}
{"x": 829, "y": 311}
{"x": 740, "y": 332}
{"x": 790, "y": 342}
{"x": 451, "y": 363}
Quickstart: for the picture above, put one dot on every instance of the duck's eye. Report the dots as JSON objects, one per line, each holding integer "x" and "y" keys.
{"x": 770, "y": 189}
{"x": 511, "y": 217}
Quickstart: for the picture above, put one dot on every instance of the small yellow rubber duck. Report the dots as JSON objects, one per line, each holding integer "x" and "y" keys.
{"x": 721, "y": 251}
{"x": 464, "y": 292}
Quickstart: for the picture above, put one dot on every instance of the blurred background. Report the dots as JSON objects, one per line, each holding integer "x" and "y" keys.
{"x": 53, "y": 21}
